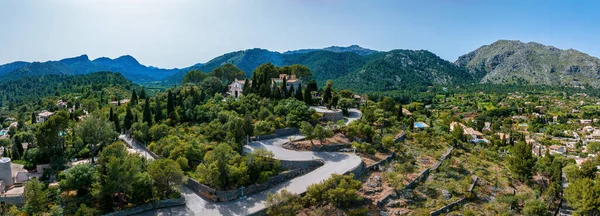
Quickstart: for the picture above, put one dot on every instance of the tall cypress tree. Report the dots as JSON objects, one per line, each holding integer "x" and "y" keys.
{"x": 33, "y": 120}
{"x": 299, "y": 93}
{"x": 400, "y": 114}
{"x": 110, "y": 115}
{"x": 117, "y": 123}
{"x": 307, "y": 97}
{"x": 143, "y": 94}
{"x": 134, "y": 97}
{"x": 157, "y": 111}
{"x": 254, "y": 85}
{"x": 284, "y": 91}
{"x": 147, "y": 114}
{"x": 246, "y": 88}
{"x": 327, "y": 95}
{"x": 128, "y": 119}
{"x": 170, "y": 105}
{"x": 291, "y": 92}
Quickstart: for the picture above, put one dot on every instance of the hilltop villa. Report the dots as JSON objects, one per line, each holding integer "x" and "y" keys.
{"x": 291, "y": 80}
{"x": 236, "y": 88}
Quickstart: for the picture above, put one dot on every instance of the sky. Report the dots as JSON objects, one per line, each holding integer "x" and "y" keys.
{"x": 180, "y": 33}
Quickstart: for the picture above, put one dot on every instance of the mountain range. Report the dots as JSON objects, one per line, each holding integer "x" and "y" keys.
{"x": 361, "y": 69}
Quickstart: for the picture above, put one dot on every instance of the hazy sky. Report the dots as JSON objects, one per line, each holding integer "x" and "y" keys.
{"x": 179, "y": 33}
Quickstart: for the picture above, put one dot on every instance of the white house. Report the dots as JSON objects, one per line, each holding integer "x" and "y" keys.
{"x": 43, "y": 116}
{"x": 236, "y": 88}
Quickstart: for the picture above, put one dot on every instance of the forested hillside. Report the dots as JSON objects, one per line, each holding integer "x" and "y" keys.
{"x": 32, "y": 88}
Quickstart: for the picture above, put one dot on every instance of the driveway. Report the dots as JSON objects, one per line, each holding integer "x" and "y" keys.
{"x": 335, "y": 163}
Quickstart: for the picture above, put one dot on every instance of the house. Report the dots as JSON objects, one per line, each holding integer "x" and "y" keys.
{"x": 540, "y": 108}
{"x": 588, "y": 129}
{"x": 359, "y": 99}
{"x": 291, "y": 80}
{"x": 519, "y": 118}
{"x": 14, "y": 124}
{"x": 474, "y": 135}
{"x": 538, "y": 150}
{"x": 61, "y": 104}
{"x": 585, "y": 121}
{"x": 487, "y": 127}
{"x": 555, "y": 149}
{"x": 236, "y": 88}
{"x": 121, "y": 102}
{"x": 43, "y": 116}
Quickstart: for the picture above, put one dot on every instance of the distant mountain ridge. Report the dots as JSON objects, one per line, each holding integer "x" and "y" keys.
{"x": 362, "y": 69}
{"x": 512, "y": 61}
{"x": 352, "y": 48}
{"x": 128, "y": 66}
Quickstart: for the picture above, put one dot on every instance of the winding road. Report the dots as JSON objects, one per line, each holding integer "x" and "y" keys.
{"x": 335, "y": 163}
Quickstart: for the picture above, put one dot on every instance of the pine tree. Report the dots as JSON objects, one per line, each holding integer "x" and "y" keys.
{"x": 170, "y": 105}
{"x": 521, "y": 161}
{"x": 299, "y": 93}
{"x": 134, "y": 97}
{"x": 157, "y": 111}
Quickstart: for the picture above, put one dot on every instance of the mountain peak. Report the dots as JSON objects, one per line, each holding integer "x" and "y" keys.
{"x": 339, "y": 49}
{"x": 81, "y": 58}
{"x": 127, "y": 59}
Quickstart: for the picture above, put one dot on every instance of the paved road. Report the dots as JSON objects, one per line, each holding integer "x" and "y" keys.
{"x": 335, "y": 163}
{"x": 135, "y": 146}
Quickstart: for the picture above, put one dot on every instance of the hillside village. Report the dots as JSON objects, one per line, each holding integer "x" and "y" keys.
{"x": 466, "y": 150}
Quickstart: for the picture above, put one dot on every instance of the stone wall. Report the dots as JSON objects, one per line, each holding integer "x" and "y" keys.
{"x": 358, "y": 170}
{"x": 148, "y": 207}
{"x": 386, "y": 160}
{"x": 400, "y": 137}
{"x": 278, "y": 133}
{"x": 462, "y": 200}
{"x": 13, "y": 200}
{"x": 423, "y": 175}
{"x": 295, "y": 168}
{"x": 292, "y": 165}
{"x": 333, "y": 116}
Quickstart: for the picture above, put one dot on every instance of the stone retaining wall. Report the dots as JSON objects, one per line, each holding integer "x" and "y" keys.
{"x": 462, "y": 200}
{"x": 292, "y": 165}
{"x": 386, "y": 160}
{"x": 358, "y": 170}
{"x": 13, "y": 200}
{"x": 148, "y": 207}
{"x": 423, "y": 175}
{"x": 332, "y": 116}
{"x": 278, "y": 133}
{"x": 296, "y": 168}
